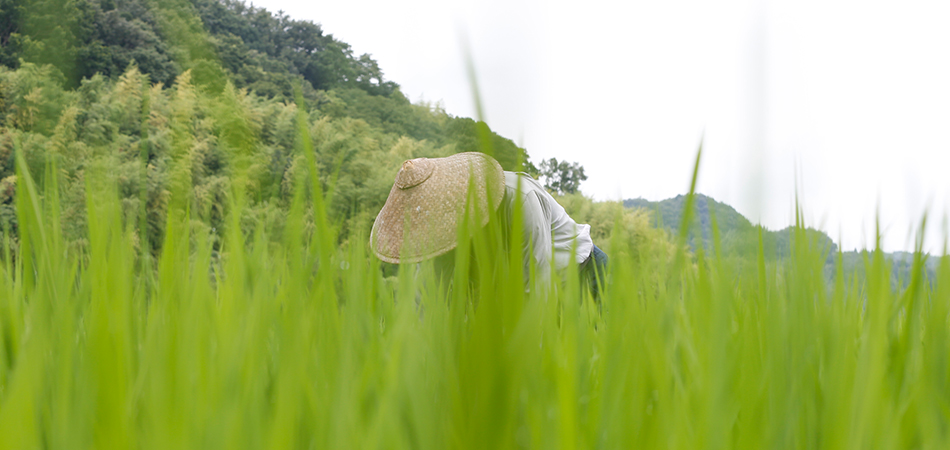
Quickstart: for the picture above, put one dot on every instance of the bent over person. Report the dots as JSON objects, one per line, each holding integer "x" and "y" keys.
{"x": 419, "y": 220}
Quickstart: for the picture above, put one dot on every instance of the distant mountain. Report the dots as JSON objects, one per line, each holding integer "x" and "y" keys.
{"x": 670, "y": 214}
{"x": 900, "y": 264}
{"x": 736, "y": 233}
{"x": 739, "y": 237}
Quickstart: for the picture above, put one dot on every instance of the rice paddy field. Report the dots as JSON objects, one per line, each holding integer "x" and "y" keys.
{"x": 304, "y": 343}
{"x": 299, "y": 338}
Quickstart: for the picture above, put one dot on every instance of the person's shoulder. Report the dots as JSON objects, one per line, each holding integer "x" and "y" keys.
{"x": 529, "y": 186}
{"x": 527, "y": 182}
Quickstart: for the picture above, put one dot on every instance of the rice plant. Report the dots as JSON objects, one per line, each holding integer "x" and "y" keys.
{"x": 285, "y": 334}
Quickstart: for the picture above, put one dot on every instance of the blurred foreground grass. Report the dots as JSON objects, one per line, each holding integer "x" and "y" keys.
{"x": 286, "y": 339}
{"x": 303, "y": 344}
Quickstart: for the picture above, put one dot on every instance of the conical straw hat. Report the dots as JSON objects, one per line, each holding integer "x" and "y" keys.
{"x": 419, "y": 219}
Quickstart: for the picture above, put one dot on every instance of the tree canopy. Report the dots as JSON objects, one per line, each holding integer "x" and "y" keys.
{"x": 186, "y": 95}
{"x": 561, "y": 177}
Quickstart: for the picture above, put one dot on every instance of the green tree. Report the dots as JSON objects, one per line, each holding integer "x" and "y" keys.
{"x": 562, "y": 177}
{"x": 116, "y": 34}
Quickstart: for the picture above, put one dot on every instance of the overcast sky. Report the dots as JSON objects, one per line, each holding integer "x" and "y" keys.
{"x": 847, "y": 100}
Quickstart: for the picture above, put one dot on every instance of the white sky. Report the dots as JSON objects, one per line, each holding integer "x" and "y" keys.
{"x": 848, "y": 100}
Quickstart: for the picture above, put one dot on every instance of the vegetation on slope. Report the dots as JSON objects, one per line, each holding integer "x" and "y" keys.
{"x": 735, "y": 228}
{"x": 121, "y": 105}
{"x": 739, "y": 237}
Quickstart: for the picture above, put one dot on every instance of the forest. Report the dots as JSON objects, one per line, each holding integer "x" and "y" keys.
{"x": 108, "y": 83}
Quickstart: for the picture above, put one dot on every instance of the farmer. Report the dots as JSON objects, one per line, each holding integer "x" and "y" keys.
{"x": 428, "y": 195}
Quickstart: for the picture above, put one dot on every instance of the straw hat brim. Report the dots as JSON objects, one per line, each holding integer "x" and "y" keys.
{"x": 420, "y": 218}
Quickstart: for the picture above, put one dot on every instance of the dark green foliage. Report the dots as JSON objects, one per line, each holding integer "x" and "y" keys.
{"x": 147, "y": 73}
{"x": 84, "y": 37}
{"x": 562, "y": 177}
{"x": 262, "y": 51}
{"x": 122, "y": 32}
{"x": 10, "y": 13}
{"x": 265, "y": 51}
{"x": 49, "y": 34}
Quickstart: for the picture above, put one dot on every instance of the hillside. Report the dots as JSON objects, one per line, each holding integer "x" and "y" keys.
{"x": 207, "y": 88}
{"x": 734, "y": 229}
{"x": 264, "y": 53}
{"x": 739, "y": 237}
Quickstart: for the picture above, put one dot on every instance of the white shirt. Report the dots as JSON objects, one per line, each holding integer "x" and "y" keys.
{"x": 548, "y": 231}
